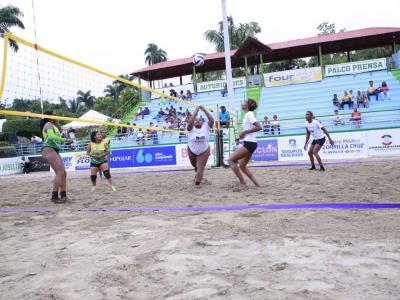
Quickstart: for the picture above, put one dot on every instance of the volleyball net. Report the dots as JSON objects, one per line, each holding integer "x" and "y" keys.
{"x": 35, "y": 78}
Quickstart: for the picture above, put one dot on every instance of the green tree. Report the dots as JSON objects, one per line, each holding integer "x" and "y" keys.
{"x": 154, "y": 55}
{"x": 76, "y": 108}
{"x": 86, "y": 98}
{"x": 10, "y": 17}
{"x": 106, "y": 105}
{"x": 113, "y": 90}
{"x": 237, "y": 34}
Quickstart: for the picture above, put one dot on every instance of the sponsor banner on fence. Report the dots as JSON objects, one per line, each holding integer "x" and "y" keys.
{"x": 68, "y": 160}
{"x": 266, "y": 150}
{"x": 9, "y": 166}
{"x": 347, "y": 145}
{"x": 219, "y": 85}
{"x": 81, "y": 161}
{"x": 154, "y": 156}
{"x": 39, "y": 164}
{"x": 383, "y": 142}
{"x": 293, "y": 76}
{"x": 122, "y": 158}
{"x": 292, "y": 148}
{"x": 182, "y": 156}
{"x": 356, "y": 67}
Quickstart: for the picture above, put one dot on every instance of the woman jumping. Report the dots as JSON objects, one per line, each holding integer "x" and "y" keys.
{"x": 50, "y": 152}
{"x": 98, "y": 152}
{"x": 248, "y": 135}
{"x": 318, "y": 132}
{"x": 198, "y": 147}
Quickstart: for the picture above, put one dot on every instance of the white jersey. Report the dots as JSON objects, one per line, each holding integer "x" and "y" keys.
{"x": 315, "y": 128}
{"x": 198, "y": 139}
{"x": 248, "y": 121}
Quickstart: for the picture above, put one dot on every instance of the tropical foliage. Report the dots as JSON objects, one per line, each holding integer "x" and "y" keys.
{"x": 10, "y": 16}
{"x": 154, "y": 55}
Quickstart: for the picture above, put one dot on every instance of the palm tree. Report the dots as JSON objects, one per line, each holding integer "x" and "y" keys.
{"x": 86, "y": 98}
{"x": 10, "y": 17}
{"x": 154, "y": 54}
{"x": 113, "y": 90}
{"x": 75, "y": 107}
{"x": 122, "y": 85}
{"x": 237, "y": 34}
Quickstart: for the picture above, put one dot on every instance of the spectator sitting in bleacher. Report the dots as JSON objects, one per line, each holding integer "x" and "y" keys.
{"x": 356, "y": 117}
{"x": 182, "y": 95}
{"x": 362, "y": 99}
{"x": 337, "y": 119}
{"x": 172, "y": 110}
{"x": 151, "y": 134}
{"x": 384, "y": 91}
{"x": 275, "y": 125}
{"x": 266, "y": 125}
{"x": 352, "y": 98}
{"x": 173, "y": 93}
{"x": 335, "y": 101}
{"x": 224, "y": 117}
{"x": 146, "y": 111}
{"x": 180, "y": 112}
{"x": 140, "y": 137}
{"x": 372, "y": 91}
{"x": 225, "y": 90}
{"x": 188, "y": 95}
{"x": 346, "y": 100}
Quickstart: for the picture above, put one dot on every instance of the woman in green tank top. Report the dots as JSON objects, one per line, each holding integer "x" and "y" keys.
{"x": 98, "y": 151}
{"x": 50, "y": 152}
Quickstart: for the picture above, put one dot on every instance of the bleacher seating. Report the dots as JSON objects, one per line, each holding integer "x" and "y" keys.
{"x": 292, "y": 101}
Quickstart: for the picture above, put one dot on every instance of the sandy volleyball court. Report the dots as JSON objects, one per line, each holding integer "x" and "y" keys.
{"x": 73, "y": 253}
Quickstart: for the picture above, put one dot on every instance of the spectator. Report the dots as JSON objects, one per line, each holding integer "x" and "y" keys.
{"x": 182, "y": 95}
{"x": 346, "y": 100}
{"x": 140, "y": 137}
{"x": 356, "y": 117}
{"x": 266, "y": 125}
{"x": 170, "y": 84}
{"x": 372, "y": 91}
{"x": 172, "y": 110}
{"x": 361, "y": 99}
{"x": 146, "y": 111}
{"x": 35, "y": 139}
{"x": 165, "y": 85}
{"x": 72, "y": 136}
{"x": 275, "y": 125}
{"x": 337, "y": 120}
{"x": 224, "y": 117}
{"x": 182, "y": 134}
{"x": 188, "y": 95}
{"x": 384, "y": 91}
{"x": 25, "y": 164}
{"x": 364, "y": 95}
{"x": 335, "y": 101}
{"x": 352, "y": 98}
{"x": 152, "y": 133}
{"x": 173, "y": 93}
{"x": 225, "y": 90}
{"x": 180, "y": 112}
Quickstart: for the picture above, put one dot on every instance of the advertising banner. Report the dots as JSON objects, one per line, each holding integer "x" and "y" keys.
{"x": 292, "y": 148}
{"x": 347, "y": 145}
{"x": 154, "y": 156}
{"x": 81, "y": 161}
{"x": 38, "y": 164}
{"x": 10, "y": 166}
{"x": 68, "y": 160}
{"x": 356, "y": 67}
{"x": 266, "y": 150}
{"x": 182, "y": 156}
{"x": 122, "y": 158}
{"x": 219, "y": 85}
{"x": 293, "y": 76}
{"x": 383, "y": 142}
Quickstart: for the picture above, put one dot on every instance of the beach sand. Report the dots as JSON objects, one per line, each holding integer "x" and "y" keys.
{"x": 72, "y": 253}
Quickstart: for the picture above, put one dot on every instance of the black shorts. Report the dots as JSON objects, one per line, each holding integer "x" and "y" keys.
{"x": 250, "y": 146}
{"x": 223, "y": 122}
{"x": 320, "y": 142}
{"x": 97, "y": 165}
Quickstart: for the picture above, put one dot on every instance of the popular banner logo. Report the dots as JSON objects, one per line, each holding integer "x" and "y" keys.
{"x": 154, "y": 156}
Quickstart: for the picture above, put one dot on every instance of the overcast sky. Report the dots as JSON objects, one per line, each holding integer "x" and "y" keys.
{"x": 112, "y": 35}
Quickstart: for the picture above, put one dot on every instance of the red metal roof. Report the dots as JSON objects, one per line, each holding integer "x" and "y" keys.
{"x": 336, "y": 42}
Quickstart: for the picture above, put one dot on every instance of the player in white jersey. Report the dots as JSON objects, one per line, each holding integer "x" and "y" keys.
{"x": 198, "y": 146}
{"x": 250, "y": 126}
{"x": 318, "y": 132}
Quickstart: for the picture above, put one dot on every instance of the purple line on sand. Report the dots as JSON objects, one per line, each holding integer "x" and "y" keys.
{"x": 265, "y": 207}
{"x": 263, "y": 166}
{"x": 25, "y": 210}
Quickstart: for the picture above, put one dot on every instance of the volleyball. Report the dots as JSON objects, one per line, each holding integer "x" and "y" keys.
{"x": 198, "y": 60}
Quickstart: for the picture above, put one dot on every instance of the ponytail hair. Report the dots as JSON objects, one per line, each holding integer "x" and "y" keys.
{"x": 251, "y": 104}
{"x": 44, "y": 121}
